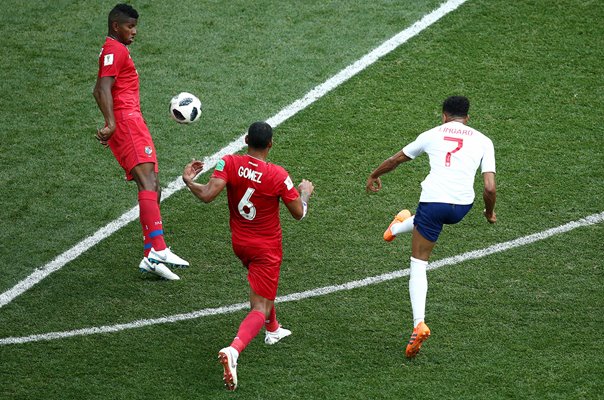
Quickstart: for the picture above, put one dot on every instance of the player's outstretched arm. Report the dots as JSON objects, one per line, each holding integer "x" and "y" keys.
{"x": 298, "y": 208}
{"x": 490, "y": 196}
{"x": 374, "y": 183}
{"x": 207, "y": 192}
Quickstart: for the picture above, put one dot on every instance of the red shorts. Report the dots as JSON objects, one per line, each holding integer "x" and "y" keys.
{"x": 131, "y": 142}
{"x": 263, "y": 266}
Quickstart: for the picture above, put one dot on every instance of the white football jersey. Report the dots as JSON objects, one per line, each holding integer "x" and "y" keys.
{"x": 455, "y": 151}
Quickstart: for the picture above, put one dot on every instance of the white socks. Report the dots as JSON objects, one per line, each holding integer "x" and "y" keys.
{"x": 418, "y": 288}
{"x": 403, "y": 227}
{"x": 418, "y": 280}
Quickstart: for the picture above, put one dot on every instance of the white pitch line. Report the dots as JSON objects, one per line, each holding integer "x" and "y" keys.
{"x": 471, "y": 255}
{"x": 210, "y": 162}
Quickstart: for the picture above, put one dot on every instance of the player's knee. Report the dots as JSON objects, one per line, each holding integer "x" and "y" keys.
{"x": 148, "y": 184}
{"x": 264, "y": 307}
{"x": 146, "y": 179}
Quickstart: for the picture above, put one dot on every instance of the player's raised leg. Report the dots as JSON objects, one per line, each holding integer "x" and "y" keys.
{"x": 402, "y": 223}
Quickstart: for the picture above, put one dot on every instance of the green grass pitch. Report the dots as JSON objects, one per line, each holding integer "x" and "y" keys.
{"x": 524, "y": 323}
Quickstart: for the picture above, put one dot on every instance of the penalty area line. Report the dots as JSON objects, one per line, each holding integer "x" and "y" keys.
{"x": 210, "y": 162}
{"x": 471, "y": 255}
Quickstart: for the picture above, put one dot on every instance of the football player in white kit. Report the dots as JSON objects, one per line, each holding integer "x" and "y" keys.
{"x": 455, "y": 151}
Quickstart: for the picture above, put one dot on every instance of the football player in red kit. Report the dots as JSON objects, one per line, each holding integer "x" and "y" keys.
{"x": 254, "y": 187}
{"x": 126, "y": 134}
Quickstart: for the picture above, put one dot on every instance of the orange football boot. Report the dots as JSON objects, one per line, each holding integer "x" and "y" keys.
{"x": 400, "y": 217}
{"x": 420, "y": 333}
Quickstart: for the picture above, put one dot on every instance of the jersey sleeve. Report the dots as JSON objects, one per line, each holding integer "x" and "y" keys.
{"x": 288, "y": 190}
{"x": 416, "y": 147}
{"x": 110, "y": 61}
{"x": 220, "y": 171}
{"x": 487, "y": 164}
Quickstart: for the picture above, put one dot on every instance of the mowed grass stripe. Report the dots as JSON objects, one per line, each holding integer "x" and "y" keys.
{"x": 471, "y": 255}
{"x": 210, "y": 162}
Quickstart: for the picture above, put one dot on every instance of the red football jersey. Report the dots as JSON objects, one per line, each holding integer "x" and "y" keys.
{"x": 115, "y": 61}
{"x": 254, "y": 188}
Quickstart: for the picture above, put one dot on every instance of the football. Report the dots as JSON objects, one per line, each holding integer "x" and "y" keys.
{"x": 185, "y": 108}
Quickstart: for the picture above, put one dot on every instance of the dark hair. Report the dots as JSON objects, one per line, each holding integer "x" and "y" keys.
{"x": 259, "y": 135}
{"x": 456, "y": 106}
{"x": 121, "y": 12}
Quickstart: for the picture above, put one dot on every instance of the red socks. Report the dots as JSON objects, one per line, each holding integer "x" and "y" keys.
{"x": 271, "y": 323}
{"x": 151, "y": 223}
{"x": 251, "y": 325}
{"x": 249, "y": 328}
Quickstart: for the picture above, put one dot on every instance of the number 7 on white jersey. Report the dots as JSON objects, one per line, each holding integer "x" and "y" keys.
{"x": 459, "y": 142}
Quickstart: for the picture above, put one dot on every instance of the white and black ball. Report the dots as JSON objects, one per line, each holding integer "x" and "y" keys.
{"x": 185, "y": 108}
